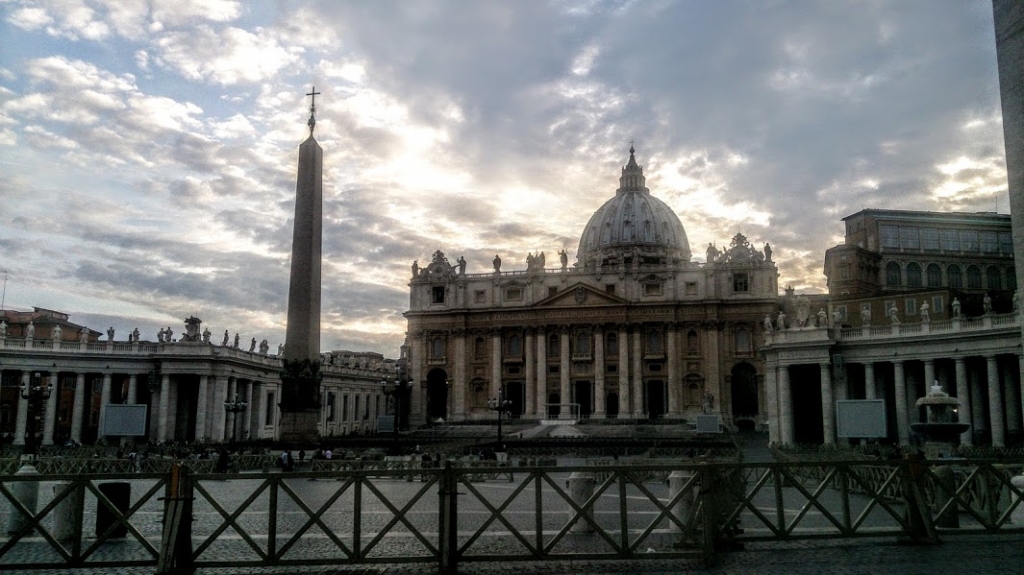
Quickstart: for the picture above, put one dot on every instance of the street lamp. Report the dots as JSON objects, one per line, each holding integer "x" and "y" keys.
{"x": 235, "y": 407}
{"x": 32, "y": 392}
{"x": 395, "y": 388}
{"x": 500, "y": 405}
{"x": 27, "y": 492}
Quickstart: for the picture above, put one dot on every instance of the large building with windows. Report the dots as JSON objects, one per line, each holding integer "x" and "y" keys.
{"x": 915, "y": 298}
{"x": 634, "y": 329}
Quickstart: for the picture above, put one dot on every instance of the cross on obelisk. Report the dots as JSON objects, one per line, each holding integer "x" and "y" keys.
{"x": 300, "y": 377}
{"x": 312, "y": 110}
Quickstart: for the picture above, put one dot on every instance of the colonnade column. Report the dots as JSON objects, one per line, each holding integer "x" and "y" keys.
{"x": 785, "y": 406}
{"x": 530, "y": 359}
{"x": 995, "y": 403}
{"x": 51, "y": 410}
{"x": 962, "y": 394}
{"x": 564, "y": 371}
{"x": 1020, "y": 396}
{"x": 870, "y": 389}
{"x": 900, "y": 401}
{"x": 21, "y": 421}
{"x": 458, "y": 394}
{"x": 229, "y": 418}
{"x": 542, "y": 373}
{"x": 104, "y": 401}
{"x": 828, "y": 419}
{"x": 247, "y": 415}
{"x": 929, "y": 375}
{"x": 771, "y": 400}
{"x": 624, "y": 399}
{"x": 495, "y": 362}
{"x": 1012, "y": 401}
{"x": 417, "y": 359}
{"x": 638, "y": 375}
{"x": 974, "y": 383}
{"x": 133, "y": 389}
{"x": 202, "y": 405}
{"x": 77, "y": 408}
{"x": 599, "y": 393}
{"x": 256, "y": 397}
{"x": 165, "y": 408}
{"x": 912, "y": 396}
{"x": 673, "y": 384}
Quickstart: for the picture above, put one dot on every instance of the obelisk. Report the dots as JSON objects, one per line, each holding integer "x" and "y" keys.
{"x": 300, "y": 377}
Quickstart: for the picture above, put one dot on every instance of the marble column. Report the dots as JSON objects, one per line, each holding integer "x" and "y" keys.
{"x": 417, "y": 411}
{"x": 458, "y": 388}
{"x": 900, "y": 401}
{"x": 133, "y": 389}
{"x": 495, "y": 388}
{"x": 221, "y": 395}
{"x": 165, "y": 408}
{"x": 912, "y": 397}
{"x": 78, "y": 408}
{"x": 828, "y": 410}
{"x": 624, "y": 398}
{"x": 1010, "y": 399}
{"x": 771, "y": 399}
{"x": 256, "y": 408}
{"x": 564, "y": 371}
{"x": 929, "y": 375}
{"x": 995, "y": 403}
{"x": 964, "y": 395}
{"x": 674, "y": 383}
{"x": 21, "y": 420}
{"x": 51, "y": 410}
{"x": 870, "y": 388}
{"x": 975, "y": 383}
{"x": 104, "y": 401}
{"x": 542, "y": 373}
{"x": 246, "y": 432}
{"x": 637, "y": 372}
{"x": 785, "y": 406}
{"x": 530, "y": 361}
{"x": 599, "y": 393}
{"x": 202, "y": 407}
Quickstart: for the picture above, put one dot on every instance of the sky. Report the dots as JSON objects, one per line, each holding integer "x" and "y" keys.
{"x": 148, "y": 148}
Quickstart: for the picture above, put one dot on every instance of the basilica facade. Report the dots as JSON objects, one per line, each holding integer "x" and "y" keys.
{"x": 634, "y": 329}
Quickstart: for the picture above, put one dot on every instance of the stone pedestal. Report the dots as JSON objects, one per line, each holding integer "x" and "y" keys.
{"x": 298, "y": 428}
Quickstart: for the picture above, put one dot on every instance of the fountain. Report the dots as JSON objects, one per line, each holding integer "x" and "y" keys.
{"x": 941, "y": 430}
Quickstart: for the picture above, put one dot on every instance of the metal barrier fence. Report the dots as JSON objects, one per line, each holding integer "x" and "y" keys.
{"x": 463, "y": 513}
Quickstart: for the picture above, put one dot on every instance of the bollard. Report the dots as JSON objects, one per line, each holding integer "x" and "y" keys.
{"x": 676, "y": 480}
{"x": 581, "y": 488}
{"x": 27, "y": 492}
{"x": 65, "y": 514}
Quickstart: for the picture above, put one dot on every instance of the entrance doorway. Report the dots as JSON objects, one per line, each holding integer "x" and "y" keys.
{"x": 437, "y": 395}
{"x": 656, "y": 399}
{"x": 583, "y": 394}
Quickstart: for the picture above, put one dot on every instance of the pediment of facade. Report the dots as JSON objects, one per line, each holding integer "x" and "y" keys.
{"x": 579, "y": 295}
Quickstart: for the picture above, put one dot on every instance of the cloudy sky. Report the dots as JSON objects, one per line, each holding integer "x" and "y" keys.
{"x": 148, "y": 147}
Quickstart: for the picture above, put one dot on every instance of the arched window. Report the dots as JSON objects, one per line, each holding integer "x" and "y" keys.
{"x": 892, "y": 274}
{"x": 692, "y": 342}
{"x": 973, "y": 277}
{"x": 993, "y": 278}
{"x": 437, "y": 348}
{"x": 934, "y": 275}
{"x": 956, "y": 278}
{"x": 515, "y": 346}
{"x": 479, "y": 348}
{"x": 582, "y": 343}
{"x": 913, "y": 274}
{"x": 611, "y": 343}
{"x": 554, "y": 349}
{"x": 1011, "y": 278}
{"x": 654, "y": 346}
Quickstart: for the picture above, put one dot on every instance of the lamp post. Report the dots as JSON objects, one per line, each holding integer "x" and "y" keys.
{"x": 32, "y": 392}
{"x": 237, "y": 406}
{"x": 27, "y": 492}
{"x": 500, "y": 405}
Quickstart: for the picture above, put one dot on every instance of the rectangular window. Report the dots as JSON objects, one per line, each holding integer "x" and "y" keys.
{"x": 950, "y": 241}
{"x": 612, "y": 368}
{"x": 842, "y": 312}
{"x": 513, "y": 294}
{"x": 1005, "y": 243}
{"x": 268, "y": 415}
{"x": 437, "y": 294}
{"x": 355, "y": 412}
{"x": 929, "y": 239}
{"x": 330, "y": 406}
{"x": 691, "y": 288}
{"x": 344, "y": 407}
{"x": 910, "y": 304}
{"x": 609, "y": 288}
{"x": 552, "y": 290}
{"x": 652, "y": 289}
{"x": 890, "y": 236}
{"x": 844, "y": 272}
{"x": 552, "y": 369}
{"x": 989, "y": 241}
{"x": 937, "y": 304}
{"x": 480, "y": 296}
{"x": 969, "y": 241}
{"x": 740, "y": 283}
{"x": 910, "y": 238}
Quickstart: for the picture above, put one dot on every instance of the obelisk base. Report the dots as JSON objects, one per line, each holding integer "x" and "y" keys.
{"x": 299, "y": 428}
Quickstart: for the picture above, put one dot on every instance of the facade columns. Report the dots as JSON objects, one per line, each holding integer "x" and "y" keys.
{"x": 624, "y": 399}
{"x": 564, "y": 371}
{"x": 542, "y": 373}
{"x": 870, "y": 389}
{"x": 771, "y": 400}
{"x": 133, "y": 388}
{"x": 828, "y": 418}
{"x": 165, "y": 408}
{"x": 78, "y": 408}
{"x": 964, "y": 395}
{"x": 674, "y": 384}
{"x": 51, "y": 410}
{"x": 530, "y": 361}
{"x": 599, "y": 393}
{"x": 202, "y": 407}
{"x": 104, "y": 401}
{"x": 495, "y": 388}
{"x": 785, "y": 406}
{"x": 995, "y": 403}
{"x": 458, "y": 394}
{"x": 900, "y": 401}
{"x": 417, "y": 357}
{"x": 638, "y": 375}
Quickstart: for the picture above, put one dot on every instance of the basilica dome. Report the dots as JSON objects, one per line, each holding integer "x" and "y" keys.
{"x": 633, "y": 227}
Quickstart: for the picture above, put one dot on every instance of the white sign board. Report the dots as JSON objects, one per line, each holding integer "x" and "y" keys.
{"x": 708, "y": 424}
{"x": 124, "y": 419}
{"x": 860, "y": 418}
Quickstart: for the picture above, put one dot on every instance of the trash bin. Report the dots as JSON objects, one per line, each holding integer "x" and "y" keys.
{"x": 120, "y": 494}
